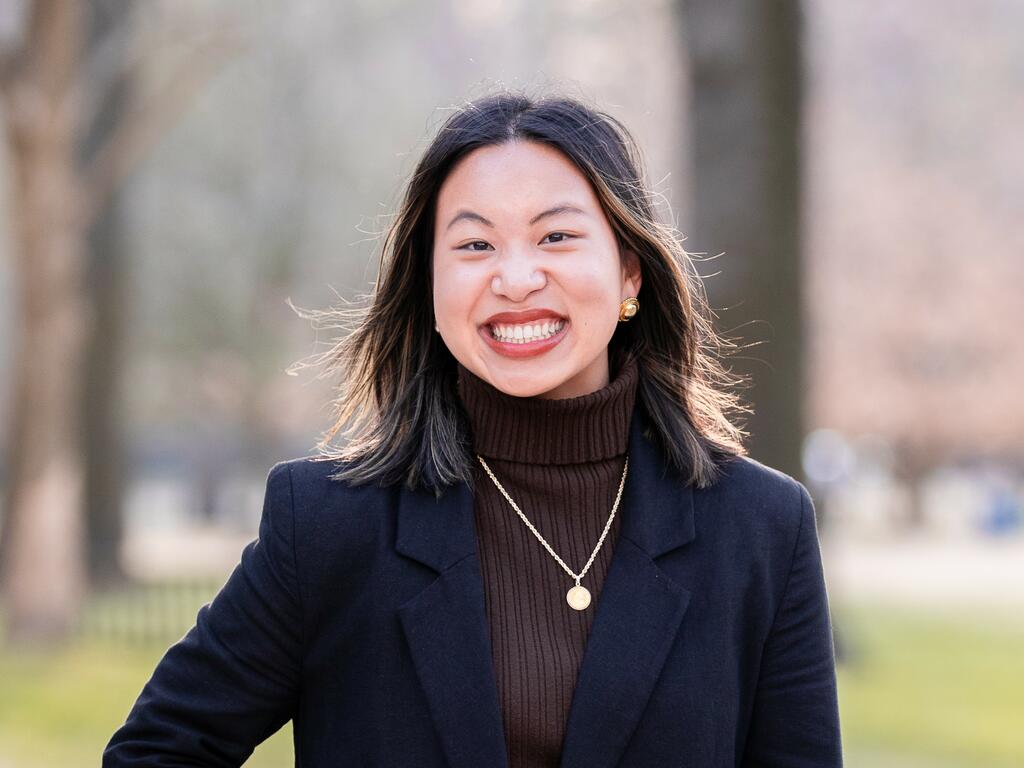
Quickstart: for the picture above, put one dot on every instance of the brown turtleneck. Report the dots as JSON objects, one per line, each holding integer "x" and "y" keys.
{"x": 561, "y": 462}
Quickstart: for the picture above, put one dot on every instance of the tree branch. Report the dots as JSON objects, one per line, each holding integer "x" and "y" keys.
{"x": 141, "y": 127}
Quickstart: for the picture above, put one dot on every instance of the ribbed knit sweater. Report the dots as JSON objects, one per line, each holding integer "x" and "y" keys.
{"x": 561, "y": 462}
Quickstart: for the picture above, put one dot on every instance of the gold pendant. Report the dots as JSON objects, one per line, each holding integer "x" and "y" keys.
{"x": 578, "y": 597}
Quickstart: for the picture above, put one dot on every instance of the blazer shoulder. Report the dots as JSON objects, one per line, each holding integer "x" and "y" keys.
{"x": 312, "y": 469}
{"x": 768, "y": 500}
{"x": 748, "y": 475}
{"x": 316, "y": 489}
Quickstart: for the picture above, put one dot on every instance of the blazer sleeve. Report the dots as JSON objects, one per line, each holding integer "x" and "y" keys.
{"x": 795, "y": 720}
{"x": 233, "y": 679}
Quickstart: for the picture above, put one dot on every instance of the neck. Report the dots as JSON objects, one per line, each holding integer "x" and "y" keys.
{"x": 588, "y": 427}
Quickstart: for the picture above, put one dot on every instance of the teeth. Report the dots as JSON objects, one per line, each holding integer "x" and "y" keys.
{"x": 522, "y": 334}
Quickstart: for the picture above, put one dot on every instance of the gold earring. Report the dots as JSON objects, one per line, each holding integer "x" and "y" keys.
{"x": 628, "y": 308}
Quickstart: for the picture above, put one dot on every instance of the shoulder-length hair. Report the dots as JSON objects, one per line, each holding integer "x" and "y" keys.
{"x": 396, "y": 403}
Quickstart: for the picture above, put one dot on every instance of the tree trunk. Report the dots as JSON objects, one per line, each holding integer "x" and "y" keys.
{"x": 43, "y": 568}
{"x": 108, "y": 269}
{"x": 746, "y": 96}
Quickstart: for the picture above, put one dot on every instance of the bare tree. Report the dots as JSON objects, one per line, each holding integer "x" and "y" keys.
{"x": 47, "y": 97}
{"x": 107, "y": 275}
{"x": 746, "y": 114}
{"x": 43, "y": 576}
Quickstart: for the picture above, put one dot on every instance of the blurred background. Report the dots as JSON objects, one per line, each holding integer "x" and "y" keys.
{"x": 181, "y": 178}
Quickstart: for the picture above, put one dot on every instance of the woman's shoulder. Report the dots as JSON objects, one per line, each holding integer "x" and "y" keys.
{"x": 325, "y": 512}
{"x": 319, "y": 477}
{"x": 763, "y": 499}
{"x": 745, "y": 476}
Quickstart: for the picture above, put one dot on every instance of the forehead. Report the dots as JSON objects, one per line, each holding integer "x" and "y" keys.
{"x": 514, "y": 175}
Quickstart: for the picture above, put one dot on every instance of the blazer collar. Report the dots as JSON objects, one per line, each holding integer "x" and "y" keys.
{"x": 638, "y": 614}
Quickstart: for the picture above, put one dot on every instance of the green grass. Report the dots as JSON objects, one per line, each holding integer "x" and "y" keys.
{"x": 927, "y": 689}
{"x": 917, "y": 690}
{"x": 60, "y": 708}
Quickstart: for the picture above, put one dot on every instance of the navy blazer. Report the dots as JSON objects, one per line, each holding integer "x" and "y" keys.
{"x": 358, "y": 613}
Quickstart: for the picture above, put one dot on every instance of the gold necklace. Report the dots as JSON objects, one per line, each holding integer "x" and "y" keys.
{"x": 578, "y": 597}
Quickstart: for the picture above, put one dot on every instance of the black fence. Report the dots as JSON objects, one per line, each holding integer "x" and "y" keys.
{"x": 147, "y": 614}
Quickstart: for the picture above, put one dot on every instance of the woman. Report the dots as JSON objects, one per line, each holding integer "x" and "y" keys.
{"x": 543, "y": 543}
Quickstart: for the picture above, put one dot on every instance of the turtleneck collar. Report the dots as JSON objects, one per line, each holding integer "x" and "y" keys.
{"x": 571, "y": 430}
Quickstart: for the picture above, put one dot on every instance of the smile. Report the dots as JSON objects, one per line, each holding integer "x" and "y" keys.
{"x": 526, "y": 332}
{"x": 520, "y": 340}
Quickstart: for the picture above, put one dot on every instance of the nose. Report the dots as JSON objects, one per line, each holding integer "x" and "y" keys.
{"x": 517, "y": 278}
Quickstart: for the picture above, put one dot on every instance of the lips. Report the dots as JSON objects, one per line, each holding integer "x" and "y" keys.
{"x": 524, "y": 349}
{"x": 524, "y": 316}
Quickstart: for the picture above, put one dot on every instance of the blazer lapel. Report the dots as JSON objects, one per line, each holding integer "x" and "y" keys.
{"x": 446, "y": 626}
{"x": 638, "y": 612}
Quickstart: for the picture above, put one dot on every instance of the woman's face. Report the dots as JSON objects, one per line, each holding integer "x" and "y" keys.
{"x": 523, "y": 248}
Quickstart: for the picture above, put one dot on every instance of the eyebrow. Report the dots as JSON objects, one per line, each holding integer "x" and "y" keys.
{"x": 553, "y": 211}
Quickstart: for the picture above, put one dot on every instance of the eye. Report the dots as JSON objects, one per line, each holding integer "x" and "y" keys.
{"x": 564, "y": 235}
{"x": 467, "y": 247}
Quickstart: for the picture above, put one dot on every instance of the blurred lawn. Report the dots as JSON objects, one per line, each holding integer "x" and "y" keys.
{"x": 920, "y": 688}
{"x": 59, "y": 710}
{"x": 917, "y": 689}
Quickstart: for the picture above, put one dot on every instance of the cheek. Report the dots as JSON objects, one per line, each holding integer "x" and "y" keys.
{"x": 455, "y": 291}
{"x": 591, "y": 287}
{"x": 591, "y": 296}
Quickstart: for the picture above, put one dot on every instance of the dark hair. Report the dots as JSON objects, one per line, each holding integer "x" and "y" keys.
{"x": 397, "y": 401}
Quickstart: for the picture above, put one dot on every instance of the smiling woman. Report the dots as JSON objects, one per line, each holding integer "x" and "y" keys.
{"x": 536, "y": 344}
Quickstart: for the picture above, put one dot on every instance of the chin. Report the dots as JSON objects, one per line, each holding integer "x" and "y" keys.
{"x": 525, "y": 386}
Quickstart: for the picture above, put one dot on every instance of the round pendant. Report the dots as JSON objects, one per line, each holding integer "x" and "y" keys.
{"x": 578, "y": 597}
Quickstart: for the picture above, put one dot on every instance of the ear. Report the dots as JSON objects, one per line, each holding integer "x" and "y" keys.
{"x": 631, "y": 273}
